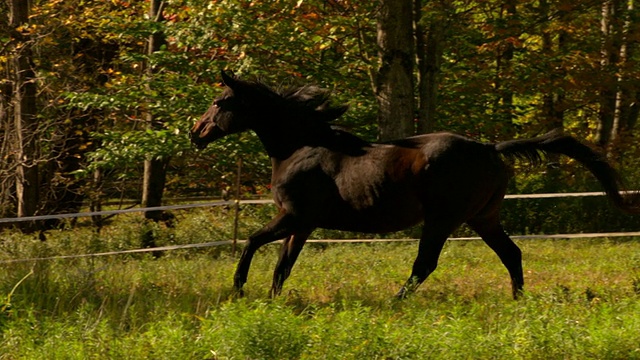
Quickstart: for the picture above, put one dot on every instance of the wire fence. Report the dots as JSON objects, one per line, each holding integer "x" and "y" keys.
{"x": 237, "y": 203}
{"x": 229, "y": 242}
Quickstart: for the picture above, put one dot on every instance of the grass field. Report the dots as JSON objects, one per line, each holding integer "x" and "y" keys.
{"x": 582, "y": 300}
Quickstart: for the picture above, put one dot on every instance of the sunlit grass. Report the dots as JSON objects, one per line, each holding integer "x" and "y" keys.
{"x": 582, "y": 300}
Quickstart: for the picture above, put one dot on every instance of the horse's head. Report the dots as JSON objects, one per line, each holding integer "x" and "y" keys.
{"x": 302, "y": 111}
{"x": 227, "y": 115}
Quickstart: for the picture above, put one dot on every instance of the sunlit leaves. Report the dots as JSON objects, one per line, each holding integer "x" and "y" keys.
{"x": 280, "y": 42}
{"x": 92, "y": 68}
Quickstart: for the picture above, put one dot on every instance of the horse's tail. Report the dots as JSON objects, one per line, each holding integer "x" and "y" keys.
{"x": 557, "y": 143}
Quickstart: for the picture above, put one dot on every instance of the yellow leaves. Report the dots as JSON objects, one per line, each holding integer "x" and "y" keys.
{"x": 48, "y": 41}
{"x": 85, "y": 146}
{"x": 28, "y": 29}
{"x": 533, "y": 42}
{"x": 121, "y": 3}
{"x": 70, "y": 20}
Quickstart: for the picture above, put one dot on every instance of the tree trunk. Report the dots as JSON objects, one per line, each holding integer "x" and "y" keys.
{"x": 429, "y": 56}
{"x": 553, "y": 97}
{"x": 394, "y": 80}
{"x": 553, "y": 100}
{"x": 7, "y": 183}
{"x": 609, "y": 54}
{"x": 625, "y": 115}
{"x": 504, "y": 99}
{"x": 155, "y": 168}
{"x": 24, "y": 111}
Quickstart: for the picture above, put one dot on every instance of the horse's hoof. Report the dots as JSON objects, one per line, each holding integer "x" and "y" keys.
{"x": 518, "y": 294}
{"x": 402, "y": 294}
{"x": 237, "y": 294}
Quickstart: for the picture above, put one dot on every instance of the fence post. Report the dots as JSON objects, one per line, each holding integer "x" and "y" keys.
{"x": 236, "y": 208}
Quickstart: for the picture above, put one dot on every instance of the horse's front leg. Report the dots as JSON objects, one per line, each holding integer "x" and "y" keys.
{"x": 281, "y": 226}
{"x": 291, "y": 248}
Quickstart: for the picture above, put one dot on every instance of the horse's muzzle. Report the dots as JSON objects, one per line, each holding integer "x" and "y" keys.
{"x": 201, "y": 136}
{"x": 195, "y": 135}
{"x": 199, "y": 145}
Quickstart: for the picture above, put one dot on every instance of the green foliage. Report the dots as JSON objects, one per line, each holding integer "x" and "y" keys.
{"x": 258, "y": 330}
{"x": 111, "y": 82}
{"x": 99, "y": 85}
{"x": 96, "y": 93}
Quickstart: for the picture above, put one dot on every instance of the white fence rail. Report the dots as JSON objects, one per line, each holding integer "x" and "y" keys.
{"x": 241, "y": 202}
{"x": 227, "y": 203}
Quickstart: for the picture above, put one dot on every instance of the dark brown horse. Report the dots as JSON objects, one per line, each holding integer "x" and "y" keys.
{"x": 324, "y": 177}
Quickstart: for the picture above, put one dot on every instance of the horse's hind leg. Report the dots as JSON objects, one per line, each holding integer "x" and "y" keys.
{"x": 291, "y": 248}
{"x": 494, "y": 235}
{"x": 434, "y": 235}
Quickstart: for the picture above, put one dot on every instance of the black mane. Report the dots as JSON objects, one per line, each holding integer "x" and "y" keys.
{"x": 305, "y": 111}
{"x": 306, "y": 98}
{"x": 306, "y": 102}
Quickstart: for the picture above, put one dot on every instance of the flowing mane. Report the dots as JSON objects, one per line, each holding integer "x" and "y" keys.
{"x": 310, "y": 106}
{"x": 314, "y": 103}
{"x": 309, "y": 99}
{"x": 308, "y": 102}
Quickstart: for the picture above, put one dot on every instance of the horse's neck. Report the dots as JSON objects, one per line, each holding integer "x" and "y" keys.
{"x": 281, "y": 142}
{"x": 275, "y": 166}
{"x": 276, "y": 145}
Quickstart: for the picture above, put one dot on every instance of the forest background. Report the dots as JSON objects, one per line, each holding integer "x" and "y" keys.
{"x": 96, "y": 97}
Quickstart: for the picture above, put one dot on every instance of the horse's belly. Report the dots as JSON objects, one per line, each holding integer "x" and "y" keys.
{"x": 378, "y": 218}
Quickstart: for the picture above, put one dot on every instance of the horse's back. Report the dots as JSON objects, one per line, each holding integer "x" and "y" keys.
{"x": 389, "y": 186}
{"x": 451, "y": 175}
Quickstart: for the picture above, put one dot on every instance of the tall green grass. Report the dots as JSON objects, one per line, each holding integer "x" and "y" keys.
{"x": 582, "y": 300}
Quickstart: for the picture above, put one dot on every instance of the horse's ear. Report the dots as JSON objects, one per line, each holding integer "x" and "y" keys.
{"x": 332, "y": 113}
{"x": 228, "y": 80}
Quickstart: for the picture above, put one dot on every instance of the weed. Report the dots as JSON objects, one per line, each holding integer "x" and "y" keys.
{"x": 5, "y": 306}
{"x": 635, "y": 283}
